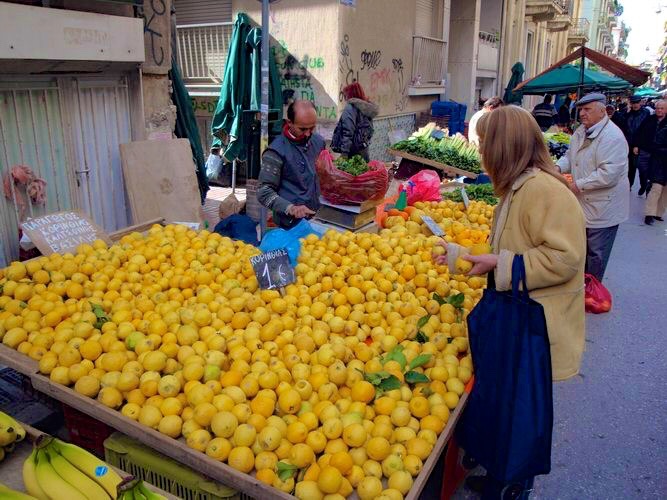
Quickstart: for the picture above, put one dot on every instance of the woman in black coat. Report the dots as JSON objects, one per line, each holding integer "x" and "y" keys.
{"x": 354, "y": 130}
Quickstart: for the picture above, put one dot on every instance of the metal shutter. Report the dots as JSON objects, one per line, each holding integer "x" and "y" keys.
{"x": 424, "y": 17}
{"x": 202, "y": 11}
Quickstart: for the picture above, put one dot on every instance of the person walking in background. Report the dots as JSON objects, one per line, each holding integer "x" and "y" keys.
{"x": 489, "y": 105}
{"x": 564, "y": 119}
{"x": 598, "y": 161}
{"x": 616, "y": 117}
{"x": 545, "y": 113}
{"x": 654, "y": 140}
{"x": 354, "y": 130}
{"x": 633, "y": 121}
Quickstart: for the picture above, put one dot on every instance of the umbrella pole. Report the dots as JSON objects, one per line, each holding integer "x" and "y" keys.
{"x": 234, "y": 176}
{"x": 580, "y": 89}
{"x": 264, "y": 108}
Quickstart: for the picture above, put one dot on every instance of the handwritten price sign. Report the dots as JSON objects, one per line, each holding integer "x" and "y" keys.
{"x": 273, "y": 269}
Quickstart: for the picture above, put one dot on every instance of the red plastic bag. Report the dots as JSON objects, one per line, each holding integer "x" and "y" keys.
{"x": 342, "y": 188}
{"x": 598, "y": 298}
{"x": 423, "y": 186}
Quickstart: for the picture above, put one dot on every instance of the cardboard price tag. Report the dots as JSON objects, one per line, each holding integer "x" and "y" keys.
{"x": 464, "y": 195}
{"x": 273, "y": 269}
{"x": 62, "y": 232}
{"x": 433, "y": 226}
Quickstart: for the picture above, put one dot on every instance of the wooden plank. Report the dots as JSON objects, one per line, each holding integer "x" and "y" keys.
{"x": 161, "y": 181}
{"x": 144, "y": 226}
{"x": 448, "y": 431}
{"x": 176, "y": 449}
{"x": 431, "y": 163}
{"x": 17, "y": 361}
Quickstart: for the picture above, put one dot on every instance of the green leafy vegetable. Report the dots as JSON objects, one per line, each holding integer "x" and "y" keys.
{"x": 353, "y": 166}
{"x": 454, "y": 151}
{"x": 477, "y": 192}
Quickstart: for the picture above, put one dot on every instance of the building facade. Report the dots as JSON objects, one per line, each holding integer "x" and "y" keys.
{"x": 94, "y": 78}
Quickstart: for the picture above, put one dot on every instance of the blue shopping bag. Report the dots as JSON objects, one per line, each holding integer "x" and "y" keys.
{"x": 508, "y": 421}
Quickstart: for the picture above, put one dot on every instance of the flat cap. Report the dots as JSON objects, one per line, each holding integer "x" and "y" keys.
{"x": 592, "y": 97}
{"x": 636, "y": 98}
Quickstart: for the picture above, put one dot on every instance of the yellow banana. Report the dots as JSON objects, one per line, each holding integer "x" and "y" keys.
{"x": 75, "y": 477}
{"x": 90, "y": 465}
{"x": 8, "y": 421}
{"x": 8, "y": 494}
{"x": 54, "y": 486}
{"x": 30, "y": 477}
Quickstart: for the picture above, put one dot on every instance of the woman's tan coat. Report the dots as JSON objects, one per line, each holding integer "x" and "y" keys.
{"x": 543, "y": 221}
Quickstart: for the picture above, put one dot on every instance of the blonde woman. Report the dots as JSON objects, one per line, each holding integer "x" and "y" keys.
{"x": 539, "y": 218}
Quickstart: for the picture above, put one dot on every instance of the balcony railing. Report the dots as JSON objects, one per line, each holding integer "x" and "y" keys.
{"x": 202, "y": 51}
{"x": 580, "y": 28}
{"x": 428, "y": 59}
{"x": 487, "y": 51}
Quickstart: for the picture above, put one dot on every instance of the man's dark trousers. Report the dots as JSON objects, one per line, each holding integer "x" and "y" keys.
{"x": 599, "y": 242}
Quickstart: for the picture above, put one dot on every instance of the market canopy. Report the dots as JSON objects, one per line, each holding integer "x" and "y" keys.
{"x": 567, "y": 78}
{"x": 647, "y": 92}
{"x": 618, "y": 68}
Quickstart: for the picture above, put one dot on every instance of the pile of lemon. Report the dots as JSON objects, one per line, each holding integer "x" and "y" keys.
{"x": 341, "y": 383}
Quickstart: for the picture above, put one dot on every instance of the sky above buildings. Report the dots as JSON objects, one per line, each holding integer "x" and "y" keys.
{"x": 647, "y": 28}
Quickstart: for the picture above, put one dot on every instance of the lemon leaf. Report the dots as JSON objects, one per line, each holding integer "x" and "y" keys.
{"x": 390, "y": 383}
{"x": 423, "y": 320}
{"x": 285, "y": 470}
{"x": 421, "y": 337}
{"x": 420, "y": 360}
{"x": 413, "y": 377}
{"x": 377, "y": 377}
{"x": 439, "y": 299}
{"x": 456, "y": 300}
{"x": 396, "y": 354}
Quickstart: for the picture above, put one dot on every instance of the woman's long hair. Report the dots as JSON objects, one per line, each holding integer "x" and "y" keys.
{"x": 511, "y": 142}
{"x": 353, "y": 90}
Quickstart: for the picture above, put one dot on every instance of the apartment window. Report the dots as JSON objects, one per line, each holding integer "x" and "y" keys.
{"x": 202, "y": 11}
{"x": 530, "y": 38}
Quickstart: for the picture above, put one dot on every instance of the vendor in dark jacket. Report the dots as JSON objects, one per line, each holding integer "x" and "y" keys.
{"x": 654, "y": 140}
{"x": 288, "y": 184}
{"x": 636, "y": 161}
{"x": 354, "y": 130}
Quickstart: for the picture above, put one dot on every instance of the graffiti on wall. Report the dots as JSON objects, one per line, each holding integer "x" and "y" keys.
{"x": 345, "y": 67}
{"x": 155, "y": 26}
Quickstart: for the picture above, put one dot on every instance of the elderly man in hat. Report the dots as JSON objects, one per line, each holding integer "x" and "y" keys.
{"x": 598, "y": 161}
{"x": 638, "y": 160}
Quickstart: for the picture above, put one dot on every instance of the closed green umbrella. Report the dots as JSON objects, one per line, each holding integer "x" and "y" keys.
{"x": 241, "y": 89}
{"x": 567, "y": 78}
{"x": 511, "y": 97}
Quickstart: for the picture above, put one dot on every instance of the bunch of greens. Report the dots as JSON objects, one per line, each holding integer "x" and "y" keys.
{"x": 353, "y": 166}
{"x": 453, "y": 151}
{"x": 479, "y": 192}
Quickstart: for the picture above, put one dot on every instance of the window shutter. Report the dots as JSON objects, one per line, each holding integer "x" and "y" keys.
{"x": 202, "y": 11}
{"x": 424, "y": 17}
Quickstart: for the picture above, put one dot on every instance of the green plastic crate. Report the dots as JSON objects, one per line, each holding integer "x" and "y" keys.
{"x": 142, "y": 462}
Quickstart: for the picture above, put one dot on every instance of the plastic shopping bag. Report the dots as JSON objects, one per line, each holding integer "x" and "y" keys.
{"x": 598, "y": 298}
{"x": 213, "y": 166}
{"x": 342, "y": 188}
{"x": 423, "y": 186}
{"x": 288, "y": 239}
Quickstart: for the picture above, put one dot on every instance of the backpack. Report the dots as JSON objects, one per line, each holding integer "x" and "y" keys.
{"x": 363, "y": 132}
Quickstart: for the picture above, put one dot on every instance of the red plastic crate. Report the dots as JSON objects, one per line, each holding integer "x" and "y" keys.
{"x": 85, "y": 431}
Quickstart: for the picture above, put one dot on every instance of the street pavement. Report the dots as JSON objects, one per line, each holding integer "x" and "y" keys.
{"x": 610, "y": 422}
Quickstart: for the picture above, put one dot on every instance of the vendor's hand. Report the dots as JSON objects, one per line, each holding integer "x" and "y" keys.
{"x": 299, "y": 211}
{"x": 574, "y": 188}
{"x": 483, "y": 264}
{"x": 635, "y": 151}
{"x": 440, "y": 256}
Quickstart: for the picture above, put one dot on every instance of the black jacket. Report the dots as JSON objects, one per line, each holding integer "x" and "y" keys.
{"x": 652, "y": 137}
{"x": 354, "y": 130}
{"x": 634, "y": 120}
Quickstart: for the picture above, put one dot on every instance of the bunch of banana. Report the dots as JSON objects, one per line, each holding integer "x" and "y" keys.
{"x": 57, "y": 470}
{"x": 135, "y": 489}
{"x": 11, "y": 432}
{"x": 7, "y": 493}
